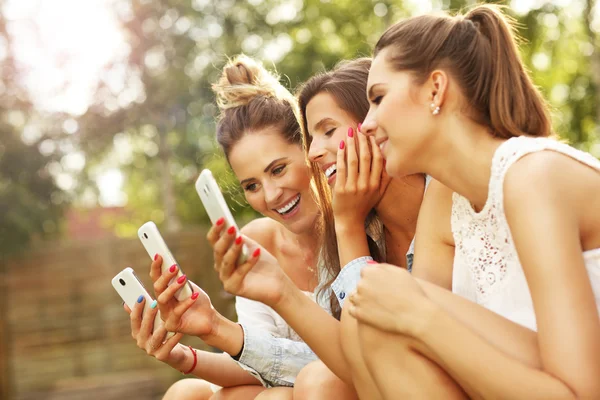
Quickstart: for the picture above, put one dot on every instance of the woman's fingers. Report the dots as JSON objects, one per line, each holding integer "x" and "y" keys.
{"x": 340, "y": 176}
{"x": 214, "y": 232}
{"x": 169, "y": 293}
{"x": 364, "y": 166}
{"x": 145, "y": 331}
{"x": 155, "y": 267}
{"x": 376, "y": 163}
{"x": 161, "y": 284}
{"x": 230, "y": 257}
{"x": 222, "y": 246}
{"x": 185, "y": 305}
{"x": 237, "y": 277}
{"x": 351, "y": 161}
{"x": 135, "y": 317}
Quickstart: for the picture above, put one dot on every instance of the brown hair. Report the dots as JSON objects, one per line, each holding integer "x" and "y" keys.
{"x": 251, "y": 98}
{"x": 347, "y": 83}
{"x": 480, "y": 51}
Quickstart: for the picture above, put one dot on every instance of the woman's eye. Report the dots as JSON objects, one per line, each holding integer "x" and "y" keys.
{"x": 377, "y": 100}
{"x": 278, "y": 170}
{"x": 250, "y": 187}
{"x": 330, "y": 132}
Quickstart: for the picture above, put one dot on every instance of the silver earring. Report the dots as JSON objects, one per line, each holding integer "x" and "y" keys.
{"x": 436, "y": 110}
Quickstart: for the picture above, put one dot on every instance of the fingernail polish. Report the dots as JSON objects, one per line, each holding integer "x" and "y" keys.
{"x": 256, "y": 253}
{"x": 181, "y": 279}
{"x": 220, "y": 221}
{"x": 195, "y": 295}
{"x": 173, "y": 268}
{"x": 372, "y": 262}
{"x": 342, "y": 145}
{"x": 350, "y": 132}
{"x": 238, "y": 241}
{"x": 155, "y": 256}
{"x": 231, "y": 230}
{"x": 141, "y": 298}
{"x": 153, "y": 304}
{"x": 359, "y": 126}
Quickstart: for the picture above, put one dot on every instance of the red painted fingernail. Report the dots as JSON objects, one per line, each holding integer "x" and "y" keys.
{"x": 220, "y": 221}
{"x": 195, "y": 295}
{"x": 350, "y": 132}
{"x": 372, "y": 262}
{"x": 155, "y": 256}
{"x": 342, "y": 145}
{"x": 231, "y": 230}
{"x": 359, "y": 126}
{"x": 173, "y": 268}
{"x": 238, "y": 240}
{"x": 256, "y": 253}
{"x": 181, "y": 279}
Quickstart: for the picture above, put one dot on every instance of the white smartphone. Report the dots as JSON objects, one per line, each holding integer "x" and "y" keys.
{"x": 130, "y": 288}
{"x": 215, "y": 205}
{"x": 155, "y": 244}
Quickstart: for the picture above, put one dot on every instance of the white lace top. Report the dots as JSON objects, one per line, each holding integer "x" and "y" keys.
{"x": 486, "y": 264}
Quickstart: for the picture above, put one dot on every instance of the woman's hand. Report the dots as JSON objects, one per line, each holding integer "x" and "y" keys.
{"x": 388, "y": 298}
{"x": 361, "y": 179}
{"x": 194, "y": 316}
{"x": 169, "y": 352}
{"x": 260, "y": 278}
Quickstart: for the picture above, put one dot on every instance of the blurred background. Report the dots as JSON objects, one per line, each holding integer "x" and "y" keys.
{"x": 106, "y": 119}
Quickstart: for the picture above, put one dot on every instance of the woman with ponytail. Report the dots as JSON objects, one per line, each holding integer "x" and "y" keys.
{"x": 451, "y": 98}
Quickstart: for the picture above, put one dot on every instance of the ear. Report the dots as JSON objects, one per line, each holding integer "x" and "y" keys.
{"x": 438, "y": 86}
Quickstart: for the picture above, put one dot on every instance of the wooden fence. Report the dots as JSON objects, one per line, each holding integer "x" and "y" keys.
{"x": 64, "y": 334}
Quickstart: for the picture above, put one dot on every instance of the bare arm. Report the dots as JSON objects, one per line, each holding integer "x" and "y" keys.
{"x": 434, "y": 245}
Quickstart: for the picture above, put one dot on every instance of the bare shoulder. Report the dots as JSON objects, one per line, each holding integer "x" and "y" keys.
{"x": 263, "y": 231}
{"x": 551, "y": 177}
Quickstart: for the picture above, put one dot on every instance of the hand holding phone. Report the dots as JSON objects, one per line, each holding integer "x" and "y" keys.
{"x": 155, "y": 244}
{"x": 130, "y": 288}
{"x": 215, "y": 205}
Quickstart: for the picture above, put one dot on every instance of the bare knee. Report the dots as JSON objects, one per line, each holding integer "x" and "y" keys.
{"x": 277, "y": 393}
{"x": 189, "y": 389}
{"x": 243, "y": 392}
{"x": 316, "y": 382}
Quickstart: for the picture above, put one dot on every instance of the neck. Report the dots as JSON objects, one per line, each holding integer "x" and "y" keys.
{"x": 463, "y": 161}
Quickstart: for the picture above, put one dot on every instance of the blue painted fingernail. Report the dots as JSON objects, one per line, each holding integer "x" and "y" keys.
{"x": 141, "y": 298}
{"x": 154, "y": 304}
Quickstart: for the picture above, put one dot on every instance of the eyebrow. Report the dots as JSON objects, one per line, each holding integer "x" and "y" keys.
{"x": 266, "y": 169}
{"x": 372, "y": 89}
{"x": 321, "y": 123}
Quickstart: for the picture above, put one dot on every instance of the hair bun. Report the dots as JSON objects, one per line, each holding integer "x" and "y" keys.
{"x": 244, "y": 79}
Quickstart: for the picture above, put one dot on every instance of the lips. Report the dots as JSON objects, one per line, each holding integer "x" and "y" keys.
{"x": 289, "y": 206}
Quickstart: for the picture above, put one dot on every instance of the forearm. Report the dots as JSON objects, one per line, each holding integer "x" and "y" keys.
{"x": 351, "y": 240}
{"x": 321, "y": 331}
{"x": 483, "y": 370}
{"x": 217, "y": 368}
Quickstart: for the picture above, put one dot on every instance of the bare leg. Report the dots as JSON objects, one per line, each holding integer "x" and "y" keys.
{"x": 277, "y": 393}
{"x": 189, "y": 389}
{"x": 361, "y": 377}
{"x": 317, "y": 382}
{"x": 245, "y": 392}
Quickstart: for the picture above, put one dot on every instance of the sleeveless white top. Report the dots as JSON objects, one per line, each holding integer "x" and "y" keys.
{"x": 487, "y": 270}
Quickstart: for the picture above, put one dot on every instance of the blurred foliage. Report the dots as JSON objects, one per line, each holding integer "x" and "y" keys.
{"x": 31, "y": 204}
{"x": 158, "y": 127}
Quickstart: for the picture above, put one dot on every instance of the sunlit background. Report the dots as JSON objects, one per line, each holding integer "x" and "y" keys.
{"x": 106, "y": 119}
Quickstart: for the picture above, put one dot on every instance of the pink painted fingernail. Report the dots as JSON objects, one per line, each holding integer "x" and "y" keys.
{"x": 195, "y": 295}
{"x": 231, "y": 230}
{"x": 181, "y": 279}
{"x": 372, "y": 262}
{"x": 155, "y": 256}
{"x": 342, "y": 145}
{"x": 220, "y": 221}
{"x": 350, "y": 132}
{"x": 238, "y": 240}
{"x": 173, "y": 268}
{"x": 359, "y": 126}
{"x": 256, "y": 253}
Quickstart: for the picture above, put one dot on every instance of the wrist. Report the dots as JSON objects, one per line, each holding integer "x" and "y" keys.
{"x": 348, "y": 225}
{"x": 226, "y": 335}
{"x": 425, "y": 316}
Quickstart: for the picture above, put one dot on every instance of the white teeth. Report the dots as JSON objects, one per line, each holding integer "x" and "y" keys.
{"x": 330, "y": 171}
{"x": 289, "y": 205}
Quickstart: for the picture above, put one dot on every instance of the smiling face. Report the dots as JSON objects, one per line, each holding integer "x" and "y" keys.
{"x": 275, "y": 178}
{"x": 327, "y": 126}
{"x": 399, "y": 117}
